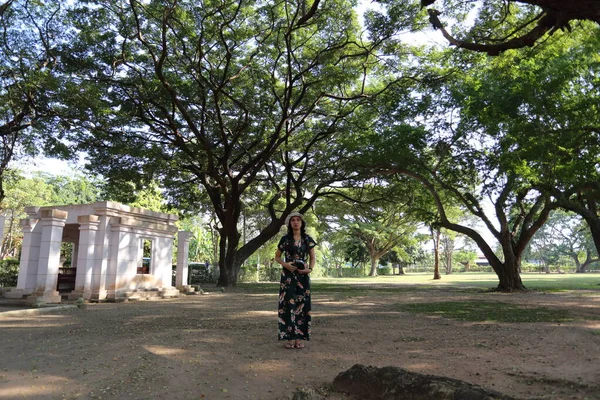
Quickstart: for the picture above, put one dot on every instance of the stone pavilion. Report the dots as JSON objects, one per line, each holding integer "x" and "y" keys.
{"x": 109, "y": 241}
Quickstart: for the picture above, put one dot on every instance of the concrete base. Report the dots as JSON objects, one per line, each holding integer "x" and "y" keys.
{"x": 169, "y": 292}
{"x": 15, "y": 294}
{"x": 99, "y": 295}
{"x": 147, "y": 294}
{"x": 48, "y": 297}
{"x": 186, "y": 289}
{"x": 78, "y": 294}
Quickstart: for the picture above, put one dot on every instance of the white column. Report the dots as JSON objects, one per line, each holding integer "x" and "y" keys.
{"x": 183, "y": 249}
{"x": 2, "y": 221}
{"x": 53, "y": 222}
{"x": 122, "y": 266}
{"x": 74, "y": 254}
{"x": 86, "y": 256}
{"x": 29, "y": 256}
{"x": 100, "y": 267}
{"x": 162, "y": 261}
{"x": 28, "y": 263}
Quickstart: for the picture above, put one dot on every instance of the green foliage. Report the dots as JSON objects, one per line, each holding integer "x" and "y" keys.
{"x": 9, "y": 272}
{"x": 224, "y": 105}
{"x": 39, "y": 189}
{"x": 487, "y": 311}
{"x": 151, "y": 198}
{"x": 201, "y": 273}
{"x": 33, "y": 34}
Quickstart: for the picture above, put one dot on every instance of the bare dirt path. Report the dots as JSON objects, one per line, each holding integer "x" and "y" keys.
{"x": 223, "y": 346}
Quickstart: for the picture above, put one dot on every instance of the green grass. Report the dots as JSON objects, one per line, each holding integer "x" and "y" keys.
{"x": 457, "y": 281}
{"x": 487, "y": 311}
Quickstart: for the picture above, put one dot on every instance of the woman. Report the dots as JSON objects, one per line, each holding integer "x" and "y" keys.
{"x": 294, "y": 291}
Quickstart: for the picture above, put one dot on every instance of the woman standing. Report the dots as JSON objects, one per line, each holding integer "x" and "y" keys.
{"x": 294, "y": 290}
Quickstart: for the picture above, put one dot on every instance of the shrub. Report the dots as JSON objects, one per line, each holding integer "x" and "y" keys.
{"x": 200, "y": 273}
{"x": 9, "y": 272}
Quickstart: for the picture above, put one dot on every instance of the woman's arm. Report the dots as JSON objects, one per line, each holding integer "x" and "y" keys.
{"x": 311, "y": 263}
{"x": 285, "y": 265}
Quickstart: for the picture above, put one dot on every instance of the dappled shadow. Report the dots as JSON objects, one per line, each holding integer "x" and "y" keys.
{"x": 224, "y": 345}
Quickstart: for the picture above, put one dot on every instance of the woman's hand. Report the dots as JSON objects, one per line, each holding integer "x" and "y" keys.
{"x": 305, "y": 271}
{"x": 291, "y": 267}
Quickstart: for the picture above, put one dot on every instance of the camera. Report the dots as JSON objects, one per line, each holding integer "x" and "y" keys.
{"x": 299, "y": 264}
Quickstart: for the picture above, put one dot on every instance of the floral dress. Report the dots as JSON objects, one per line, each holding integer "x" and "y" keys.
{"x": 294, "y": 291}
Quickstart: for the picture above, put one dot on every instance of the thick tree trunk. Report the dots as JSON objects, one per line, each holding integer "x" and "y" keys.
{"x": 594, "y": 225}
{"x": 229, "y": 262}
{"x": 508, "y": 275}
{"x": 374, "y": 264}
{"x": 578, "y": 268}
{"x": 589, "y": 259}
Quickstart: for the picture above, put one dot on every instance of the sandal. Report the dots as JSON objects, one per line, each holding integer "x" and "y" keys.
{"x": 299, "y": 344}
{"x": 289, "y": 345}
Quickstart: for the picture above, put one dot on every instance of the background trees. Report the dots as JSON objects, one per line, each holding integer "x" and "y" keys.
{"x": 31, "y": 36}
{"x": 226, "y": 102}
{"x": 492, "y": 133}
{"x": 246, "y": 112}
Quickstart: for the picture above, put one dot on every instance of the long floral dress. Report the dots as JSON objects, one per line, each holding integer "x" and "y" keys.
{"x": 294, "y": 291}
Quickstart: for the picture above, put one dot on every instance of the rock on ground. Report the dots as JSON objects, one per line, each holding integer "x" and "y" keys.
{"x": 391, "y": 383}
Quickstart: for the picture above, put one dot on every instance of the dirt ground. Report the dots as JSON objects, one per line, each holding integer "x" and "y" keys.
{"x": 223, "y": 346}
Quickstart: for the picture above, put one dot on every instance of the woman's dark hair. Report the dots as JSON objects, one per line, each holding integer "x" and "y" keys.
{"x": 302, "y": 228}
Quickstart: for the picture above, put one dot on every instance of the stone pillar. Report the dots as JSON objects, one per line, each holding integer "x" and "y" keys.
{"x": 29, "y": 258}
{"x": 183, "y": 248}
{"x": 100, "y": 267}
{"x": 122, "y": 266}
{"x": 86, "y": 256}
{"x": 2, "y": 221}
{"x": 53, "y": 222}
{"x": 164, "y": 265}
{"x": 74, "y": 255}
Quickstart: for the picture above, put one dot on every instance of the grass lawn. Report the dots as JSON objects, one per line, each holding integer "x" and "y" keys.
{"x": 536, "y": 281}
{"x": 472, "y": 284}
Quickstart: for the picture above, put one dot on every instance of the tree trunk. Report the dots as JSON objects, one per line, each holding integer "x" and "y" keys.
{"x": 467, "y": 266}
{"x": 435, "y": 235}
{"x": 508, "y": 275}
{"x": 594, "y": 225}
{"x": 546, "y": 267}
{"x": 400, "y": 269}
{"x": 374, "y": 264}
{"x": 229, "y": 262}
{"x": 447, "y": 251}
{"x": 575, "y": 258}
{"x": 589, "y": 259}
{"x": 448, "y": 255}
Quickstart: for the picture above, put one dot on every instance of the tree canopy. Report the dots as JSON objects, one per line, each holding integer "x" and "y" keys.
{"x": 249, "y": 111}
{"x": 503, "y": 25}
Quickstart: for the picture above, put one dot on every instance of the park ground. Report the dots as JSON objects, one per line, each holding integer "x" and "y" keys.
{"x": 541, "y": 344}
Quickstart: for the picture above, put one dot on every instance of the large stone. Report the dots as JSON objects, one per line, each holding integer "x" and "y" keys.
{"x": 393, "y": 383}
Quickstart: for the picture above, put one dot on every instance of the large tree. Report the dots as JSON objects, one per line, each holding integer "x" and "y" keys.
{"x": 236, "y": 103}
{"x": 565, "y": 234}
{"x": 546, "y": 110}
{"x": 30, "y": 36}
{"x": 520, "y": 136}
{"x": 500, "y": 25}
{"x": 375, "y": 215}
{"x": 465, "y": 162}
